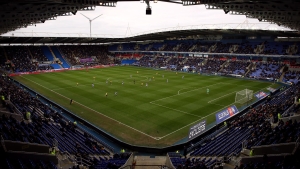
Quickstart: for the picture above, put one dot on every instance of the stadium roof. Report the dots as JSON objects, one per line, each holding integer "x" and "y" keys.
{"x": 166, "y": 35}
{"x": 17, "y": 14}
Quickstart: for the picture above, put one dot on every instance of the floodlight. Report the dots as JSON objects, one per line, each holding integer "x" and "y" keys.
{"x": 74, "y": 12}
{"x": 226, "y": 11}
{"x": 148, "y": 11}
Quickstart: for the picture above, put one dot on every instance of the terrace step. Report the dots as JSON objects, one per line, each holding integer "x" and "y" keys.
{"x": 149, "y": 160}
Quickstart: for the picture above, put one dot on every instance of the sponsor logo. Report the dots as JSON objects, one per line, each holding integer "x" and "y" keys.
{"x": 226, "y": 113}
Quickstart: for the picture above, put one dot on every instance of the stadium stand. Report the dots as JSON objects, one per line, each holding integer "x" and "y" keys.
{"x": 40, "y": 124}
{"x": 84, "y": 54}
{"x": 260, "y": 126}
{"x": 266, "y": 71}
{"x": 255, "y": 127}
{"x": 291, "y": 76}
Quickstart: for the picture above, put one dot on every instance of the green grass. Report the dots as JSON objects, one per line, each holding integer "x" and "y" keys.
{"x": 157, "y": 115}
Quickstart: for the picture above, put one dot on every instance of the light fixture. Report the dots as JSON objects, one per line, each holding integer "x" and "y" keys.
{"x": 74, "y": 12}
{"x": 226, "y": 11}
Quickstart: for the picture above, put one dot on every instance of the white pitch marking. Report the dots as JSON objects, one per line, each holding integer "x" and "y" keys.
{"x": 193, "y": 122}
{"x": 220, "y": 97}
{"x": 183, "y": 89}
{"x": 73, "y": 86}
{"x": 175, "y": 109}
{"x": 94, "y": 110}
{"x": 202, "y": 118}
{"x": 183, "y": 92}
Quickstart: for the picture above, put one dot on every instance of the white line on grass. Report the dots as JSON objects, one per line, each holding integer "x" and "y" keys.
{"x": 202, "y": 118}
{"x": 220, "y": 97}
{"x": 183, "y": 89}
{"x": 183, "y": 92}
{"x": 175, "y": 109}
{"x": 93, "y": 110}
{"x": 156, "y": 138}
{"x": 152, "y": 102}
{"x": 73, "y": 86}
{"x": 192, "y": 122}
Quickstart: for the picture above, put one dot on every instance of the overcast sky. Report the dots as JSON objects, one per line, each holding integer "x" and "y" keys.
{"x": 115, "y": 20}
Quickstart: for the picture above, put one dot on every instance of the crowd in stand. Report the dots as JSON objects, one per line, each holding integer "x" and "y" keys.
{"x": 213, "y": 65}
{"x": 236, "y": 67}
{"x": 266, "y": 70}
{"x": 255, "y": 127}
{"x": 45, "y": 125}
{"x": 20, "y": 59}
{"x": 291, "y": 76}
{"x": 145, "y": 61}
{"x": 248, "y": 47}
{"x": 74, "y": 53}
{"x": 257, "y": 118}
{"x": 37, "y": 53}
{"x": 24, "y": 59}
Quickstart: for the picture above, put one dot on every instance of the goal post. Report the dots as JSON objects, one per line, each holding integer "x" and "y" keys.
{"x": 243, "y": 96}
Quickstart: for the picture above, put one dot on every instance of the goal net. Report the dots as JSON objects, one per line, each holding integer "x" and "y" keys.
{"x": 243, "y": 96}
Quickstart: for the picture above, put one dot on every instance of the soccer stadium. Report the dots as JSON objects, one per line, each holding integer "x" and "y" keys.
{"x": 193, "y": 97}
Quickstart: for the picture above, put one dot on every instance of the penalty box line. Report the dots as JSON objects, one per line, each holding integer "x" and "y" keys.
{"x": 184, "y": 92}
{"x": 193, "y": 122}
{"x": 201, "y": 118}
{"x": 153, "y": 102}
{"x": 93, "y": 110}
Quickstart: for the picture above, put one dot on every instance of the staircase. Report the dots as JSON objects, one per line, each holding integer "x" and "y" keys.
{"x": 212, "y": 48}
{"x": 225, "y": 64}
{"x": 259, "y": 48}
{"x": 249, "y": 68}
{"x": 154, "y": 58}
{"x": 177, "y": 47}
{"x": 149, "y": 47}
{"x": 57, "y": 54}
{"x": 29, "y": 52}
{"x": 192, "y": 48}
{"x": 149, "y": 162}
{"x": 4, "y": 53}
{"x": 163, "y": 47}
{"x": 50, "y": 56}
{"x": 204, "y": 61}
{"x": 252, "y": 67}
{"x": 281, "y": 77}
{"x": 185, "y": 60}
{"x": 169, "y": 58}
{"x": 233, "y": 48}
{"x": 65, "y": 161}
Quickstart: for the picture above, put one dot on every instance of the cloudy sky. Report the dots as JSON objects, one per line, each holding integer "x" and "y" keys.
{"x": 129, "y": 18}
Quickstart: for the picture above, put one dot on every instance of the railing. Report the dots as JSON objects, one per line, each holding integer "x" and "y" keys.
{"x": 297, "y": 145}
{"x": 244, "y": 144}
{"x": 82, "y": 161}
{"x": 55, "y": 143}
{"x": 292, "y": 106}
{"x": 67, "y": 155}
{"x": 211, "y": 166}
{"x": 2, "y": 142}
{"x": 148, "y": 166}
{"x": 231, "y": 155}
{"x": 207, "y": 137}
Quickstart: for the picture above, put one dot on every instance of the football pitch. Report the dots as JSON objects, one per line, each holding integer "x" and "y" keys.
{"x": 143, "y": 106}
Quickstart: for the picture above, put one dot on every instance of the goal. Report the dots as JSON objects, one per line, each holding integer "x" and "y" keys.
{"x": 243, "y": 96}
